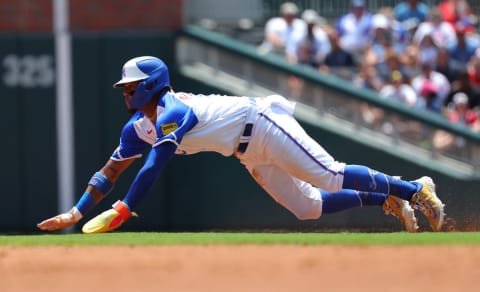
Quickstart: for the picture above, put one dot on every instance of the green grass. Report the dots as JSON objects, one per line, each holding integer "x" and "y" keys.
{"x": 211, "y": 238}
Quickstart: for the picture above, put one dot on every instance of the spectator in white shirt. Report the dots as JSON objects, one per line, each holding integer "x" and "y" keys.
{"x": 281, "y": 30}
{"x": 432, "y": 86}
{"x": 428, "y": 50}
{"x": 399, "y": 91}
{"x": 354, "y": 28}
{"x": 313, "y": 45}
{"x": 442, "y": 33}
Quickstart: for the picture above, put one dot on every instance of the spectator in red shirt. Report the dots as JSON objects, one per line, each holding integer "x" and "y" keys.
{"x": 457, "y": 112}
{"x": 473, "y": 69}
{"x": 457, "y": 12}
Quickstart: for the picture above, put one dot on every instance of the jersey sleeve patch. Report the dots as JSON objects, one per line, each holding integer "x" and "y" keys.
{"x": 168, "y": 128}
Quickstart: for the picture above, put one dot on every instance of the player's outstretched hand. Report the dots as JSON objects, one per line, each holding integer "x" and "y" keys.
{"x": 60, "y": 221}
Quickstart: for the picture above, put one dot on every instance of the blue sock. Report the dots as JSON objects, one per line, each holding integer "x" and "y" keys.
{"x": 362, "y": 178}
{"x": 346, "y": 199}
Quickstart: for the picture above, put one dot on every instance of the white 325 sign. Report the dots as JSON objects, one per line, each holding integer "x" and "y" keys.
{"x": 28, "y": 71}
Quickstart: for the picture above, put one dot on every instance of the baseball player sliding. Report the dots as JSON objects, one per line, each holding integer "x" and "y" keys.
{"x": 261, "y": 132}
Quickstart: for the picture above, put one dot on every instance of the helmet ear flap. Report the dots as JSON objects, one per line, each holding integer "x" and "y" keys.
{"x": 141, "y": 95}
{"x": 148, "y": 87}
{"x": 150, "y": 83}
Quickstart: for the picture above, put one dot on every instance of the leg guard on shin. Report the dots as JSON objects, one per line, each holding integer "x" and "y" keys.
{"x": 362, "y": 178}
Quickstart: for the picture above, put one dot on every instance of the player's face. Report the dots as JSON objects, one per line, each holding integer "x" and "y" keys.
{"x": 128, "y": 91}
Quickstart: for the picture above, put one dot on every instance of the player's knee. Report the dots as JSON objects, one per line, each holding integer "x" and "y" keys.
{"x": 311, "y": 213}
{"x": 308, "y": 204}
{"x": 332, "y": 183}
{"x": 307, "y": 216}
{"x": 331, "y": 188}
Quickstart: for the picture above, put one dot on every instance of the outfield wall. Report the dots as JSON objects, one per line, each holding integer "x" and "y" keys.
{"x": 204, "y": 191}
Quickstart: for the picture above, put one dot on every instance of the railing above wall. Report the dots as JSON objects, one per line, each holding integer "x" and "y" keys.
{"x": 359, "y": 113}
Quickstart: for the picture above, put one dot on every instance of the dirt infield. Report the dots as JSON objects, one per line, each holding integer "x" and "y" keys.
{"x": 240, "y": 268}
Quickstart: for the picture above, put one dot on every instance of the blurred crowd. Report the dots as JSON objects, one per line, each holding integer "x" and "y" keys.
{"x": 425, "y": 57}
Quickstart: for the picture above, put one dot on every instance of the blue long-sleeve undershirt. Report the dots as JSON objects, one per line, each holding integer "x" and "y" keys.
{"x": 157, "y": 159}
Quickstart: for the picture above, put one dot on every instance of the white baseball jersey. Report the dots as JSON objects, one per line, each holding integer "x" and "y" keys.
{"x": 277, "y": 152}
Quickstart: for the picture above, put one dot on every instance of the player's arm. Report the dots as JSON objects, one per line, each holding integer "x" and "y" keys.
{"x": 121, "y": 211}
{"x": 156, "y": 161}
{"x": 162, "y": 151}
{"x": 102, "y": 181}
{"x": 100, "y": 184}
{"x": 180, "y": 118}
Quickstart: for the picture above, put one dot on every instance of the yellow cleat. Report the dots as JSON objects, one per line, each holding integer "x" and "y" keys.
{"x": 402, "y": 210}
{"x": 426, "y": 201}
{"x": 109, "y": 220}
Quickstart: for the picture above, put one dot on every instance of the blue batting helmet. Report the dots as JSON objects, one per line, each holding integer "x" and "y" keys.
{"x": 153, "y": 74}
